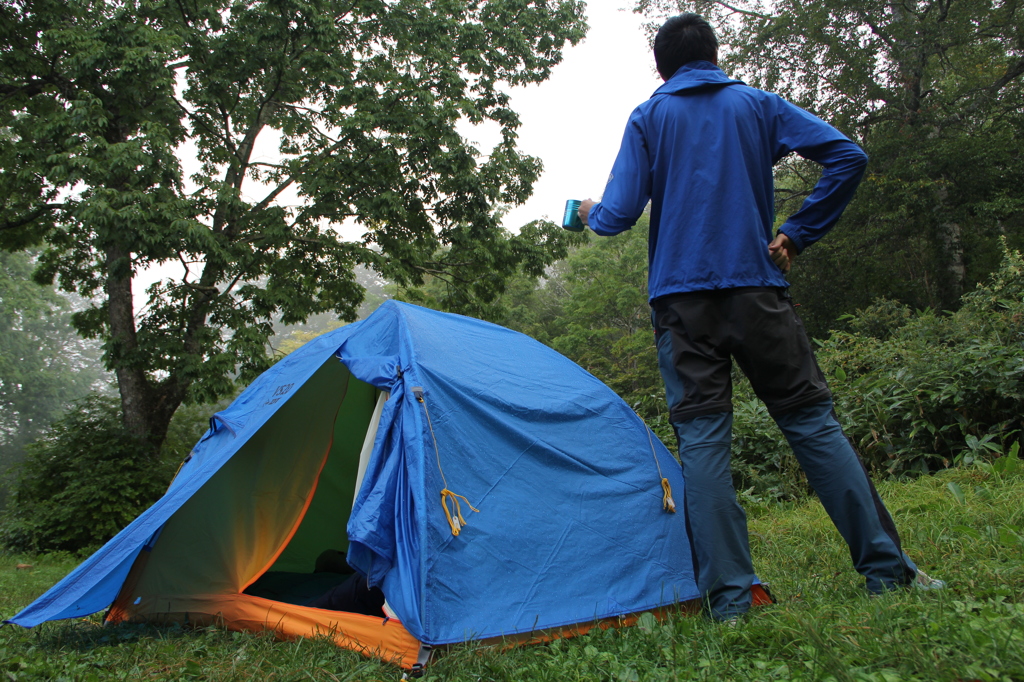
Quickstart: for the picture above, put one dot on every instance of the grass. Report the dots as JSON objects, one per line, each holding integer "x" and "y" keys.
{"x": 965, "y": 526}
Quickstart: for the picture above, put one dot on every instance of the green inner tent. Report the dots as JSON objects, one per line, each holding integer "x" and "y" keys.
{"x": 242, "y": 522}
{"x": 323, "y": 526}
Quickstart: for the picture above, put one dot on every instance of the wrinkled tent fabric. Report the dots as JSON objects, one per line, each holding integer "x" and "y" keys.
{"x": 570, "y": 527}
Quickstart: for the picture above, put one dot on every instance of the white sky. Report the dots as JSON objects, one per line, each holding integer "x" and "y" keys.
{"x": 574, "y": 121}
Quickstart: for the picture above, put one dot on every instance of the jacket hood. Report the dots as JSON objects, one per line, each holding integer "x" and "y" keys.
{"x": 693, "y": 76}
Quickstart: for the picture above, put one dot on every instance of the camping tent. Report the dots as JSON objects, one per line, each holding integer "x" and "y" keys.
{"x": 490, "y": 486}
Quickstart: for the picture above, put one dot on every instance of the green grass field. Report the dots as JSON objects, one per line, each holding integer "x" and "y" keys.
{"x": 965, "y": 526}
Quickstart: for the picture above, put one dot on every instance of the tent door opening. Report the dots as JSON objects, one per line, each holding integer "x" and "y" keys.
{"x": 313, "y": 560}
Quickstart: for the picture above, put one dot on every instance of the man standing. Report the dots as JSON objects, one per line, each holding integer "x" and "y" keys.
{"x": 701, "y": 150}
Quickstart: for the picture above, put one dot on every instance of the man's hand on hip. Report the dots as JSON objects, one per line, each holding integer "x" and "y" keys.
{"x": 783, "y": 252}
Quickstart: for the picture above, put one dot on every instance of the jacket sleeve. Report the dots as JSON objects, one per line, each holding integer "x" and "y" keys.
{"x": 629, "y": 185}
{"x": 843, "y": 161}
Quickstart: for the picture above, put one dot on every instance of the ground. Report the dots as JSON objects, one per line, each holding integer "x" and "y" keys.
{"x": 965, "y": 526}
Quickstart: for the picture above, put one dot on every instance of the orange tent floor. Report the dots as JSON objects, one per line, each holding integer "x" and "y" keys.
{"x": 383, "y": 638}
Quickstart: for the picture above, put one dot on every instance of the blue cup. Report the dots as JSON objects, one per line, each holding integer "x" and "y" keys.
{"x": 571, "y": 218}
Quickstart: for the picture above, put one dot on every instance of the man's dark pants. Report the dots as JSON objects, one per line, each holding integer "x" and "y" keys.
{"x": 698, "y": 334}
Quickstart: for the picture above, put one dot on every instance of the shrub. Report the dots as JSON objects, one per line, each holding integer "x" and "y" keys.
{"x": 917, "y": 391}
{"x": 941, "y": 388}
{"x": 81, "y": 483}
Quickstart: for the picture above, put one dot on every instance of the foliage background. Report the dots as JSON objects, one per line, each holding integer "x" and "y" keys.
{"x": 916, "y": 390}
{"x": 361, "y": 100}
{"x": 44, "y": 365}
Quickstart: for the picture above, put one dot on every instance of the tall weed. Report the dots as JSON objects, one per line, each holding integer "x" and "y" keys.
{"x": 938, "y": 389}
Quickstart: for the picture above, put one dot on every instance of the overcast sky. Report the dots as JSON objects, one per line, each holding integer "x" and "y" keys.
{"x": 574, "y": 121}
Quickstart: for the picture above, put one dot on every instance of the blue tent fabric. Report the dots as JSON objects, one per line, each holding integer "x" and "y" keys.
{"x": 94, "y": 584}
{"x": 565, "y": 476}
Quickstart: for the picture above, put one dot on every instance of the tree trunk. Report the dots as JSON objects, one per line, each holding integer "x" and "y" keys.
{"x": 910, "y": 58}
{"x": 146, "y": 409}
{"x": 131, "y": 382}
{"x": 948, "y": 238}
{"x": 951, "y": 244}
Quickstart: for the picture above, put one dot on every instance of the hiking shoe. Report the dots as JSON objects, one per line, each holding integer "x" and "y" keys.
{"x": 922, "y": 581}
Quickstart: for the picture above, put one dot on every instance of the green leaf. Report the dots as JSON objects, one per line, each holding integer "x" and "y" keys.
{"x": 647, "y": 622}
{"x": 966, "y": 530}
{"x": 955, "y": 490}
{"x": 1010, "y": 537}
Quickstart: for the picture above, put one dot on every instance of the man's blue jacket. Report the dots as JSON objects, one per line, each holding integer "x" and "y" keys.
{"x": 701, "y": 150}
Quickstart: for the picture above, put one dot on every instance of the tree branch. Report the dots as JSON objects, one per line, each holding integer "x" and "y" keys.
{"x": 31, "y": 88}
{"x": 877, "y": 30}
{"x": 320, "y": 157}
{"x": 287, "y": 182}
{"x": 199, "y": 120}
{"x": 38, "y": 85}
{"x": 1012, "y": 72}
{"x": 747, "y": 12}
{"x": 229, "y": 287}
{"x": 29, "y": 217}
{"x": 184, "y": 264}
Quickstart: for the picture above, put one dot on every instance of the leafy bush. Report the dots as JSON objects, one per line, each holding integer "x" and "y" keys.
{"x": 81, "y": 483}
{"x": 917, "y": 391}
{"x": 941, "y": 388}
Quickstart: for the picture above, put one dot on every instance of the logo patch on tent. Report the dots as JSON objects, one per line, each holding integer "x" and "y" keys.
{"x": 280, "y": 391}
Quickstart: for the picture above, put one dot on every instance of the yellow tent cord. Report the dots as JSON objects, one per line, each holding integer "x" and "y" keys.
{"x": 454, "y": 515}
{"x": 455, "y": 519}
{"x": 178, "y": 471}
{"x": 667, "y": 503}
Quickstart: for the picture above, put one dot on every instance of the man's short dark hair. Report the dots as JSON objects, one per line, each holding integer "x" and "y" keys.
{"x": 683, "y": 39}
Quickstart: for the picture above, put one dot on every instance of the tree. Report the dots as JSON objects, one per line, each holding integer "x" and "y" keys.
{"x": 44, "y": 366}
{"x": 933, "y": 90}
{"x": 361, "y": 100}
{"x": 607, "y": 319}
